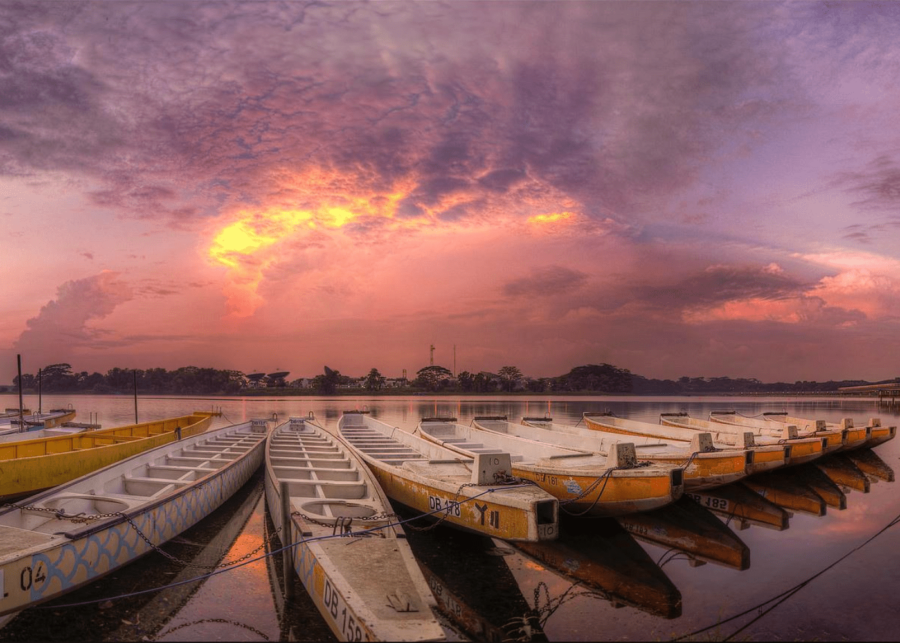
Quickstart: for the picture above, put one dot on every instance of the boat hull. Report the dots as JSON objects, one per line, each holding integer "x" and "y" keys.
{"x": 36, "y": 567}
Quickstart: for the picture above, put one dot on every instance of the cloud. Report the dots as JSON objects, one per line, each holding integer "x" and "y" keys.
{"x": 545, "y": 282}
{"x": 877, "y": 185}
{"x": 182, "y": 119}
{"x": 62, "y": 328}
{"x": 717, "y": 284}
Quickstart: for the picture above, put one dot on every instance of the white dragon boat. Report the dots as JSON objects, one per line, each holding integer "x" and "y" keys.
{"x": 71, "y": 535}
{"x": 349, "y": 551}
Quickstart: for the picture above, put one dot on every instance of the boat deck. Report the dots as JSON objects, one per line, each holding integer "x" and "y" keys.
{"x": 324, "y": 482}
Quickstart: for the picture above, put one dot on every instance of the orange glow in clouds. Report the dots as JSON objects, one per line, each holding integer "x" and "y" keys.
{"x": 247, "y": 245}
{"x": 554, "y": 217}
{"x": 327, "y": 202}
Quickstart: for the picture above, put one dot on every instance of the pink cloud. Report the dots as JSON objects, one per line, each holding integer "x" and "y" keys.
{"x": 62, "y": 329}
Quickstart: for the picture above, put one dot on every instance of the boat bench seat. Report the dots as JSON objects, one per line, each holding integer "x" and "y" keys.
{"x": 325, "y": 463}
{"x": 164, "y": 472}
{"x": 152, "y": 487}
{"x": 397, "y": 455}
{"x": 194, "y": 462}
{"x": 326, "y": 490}
{"x": 310, "y": 473}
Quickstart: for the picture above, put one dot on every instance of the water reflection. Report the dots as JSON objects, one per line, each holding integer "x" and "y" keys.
{"x": 813, "y": 476}
{"x": 742, "y": 507}
{"x": 572, "y": 590}
{"x": 604, "y": 557}
{"x": 871, "y": 464}
{"x": 691, "y": 530}
{"x": 472, "y": 583}
{"x": 843, "y": 472}
{"x": 787, "y": 491}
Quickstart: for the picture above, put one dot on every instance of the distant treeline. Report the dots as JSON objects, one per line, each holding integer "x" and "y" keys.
{"x": 591, "y": 378}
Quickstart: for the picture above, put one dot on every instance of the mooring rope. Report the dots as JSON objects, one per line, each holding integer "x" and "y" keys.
{"x": 52, "y": 605}
{"x": 785, "y": 595}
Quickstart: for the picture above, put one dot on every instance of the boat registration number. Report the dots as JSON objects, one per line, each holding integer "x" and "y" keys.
{"x": 719, "y": 504}
{"x": 349, "y": 626}
{"x": 449, "y": 507}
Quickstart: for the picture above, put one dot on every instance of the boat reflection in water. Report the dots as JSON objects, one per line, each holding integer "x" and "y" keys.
{"x": 605, "y": 558}
{"x": 813, "y": 476}
{"x": 471, "y": 581}
{"x": 787, "y": 491}
{"x": 871, "y": 464}
{"x": 742, "y": 507}
{"x": 157, "y": 613}
{"x": 687, "y": 527}
{"x": 298, "y": 618}
{"x": 843, "y": 472}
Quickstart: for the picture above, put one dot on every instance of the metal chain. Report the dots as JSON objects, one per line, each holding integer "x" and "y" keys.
{"x": 188, "y": 564}
{"x": 343, "y": 523}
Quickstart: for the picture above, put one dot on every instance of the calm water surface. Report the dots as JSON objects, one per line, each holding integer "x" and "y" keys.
{"x": 660, "y": 576}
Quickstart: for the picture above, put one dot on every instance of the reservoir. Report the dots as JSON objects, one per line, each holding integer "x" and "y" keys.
{"x": 698, "y": 570}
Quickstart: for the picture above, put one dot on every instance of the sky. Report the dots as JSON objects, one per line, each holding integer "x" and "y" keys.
{"x": 701, "y": 189}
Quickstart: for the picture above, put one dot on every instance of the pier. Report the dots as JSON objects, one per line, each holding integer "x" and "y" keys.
{"x": 888, "y": 394}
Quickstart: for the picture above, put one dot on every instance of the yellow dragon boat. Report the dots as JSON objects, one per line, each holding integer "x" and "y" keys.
{"x": 705, "y": 466}
{"x": 29, "y": 466}
{"x": 586, "y": 482}
{"x": 799, "y": 450}
{"x": 465, "y": 492}
{"x": 724, "y": 462}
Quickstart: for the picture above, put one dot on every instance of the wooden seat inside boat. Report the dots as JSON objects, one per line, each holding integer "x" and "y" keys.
{"x": 169, "y": 472}
{"x": 325, "y": 489}
{"x": 194, "y": 462}
{"x": 309, "y": 473}
{"x": 300, "y": 461}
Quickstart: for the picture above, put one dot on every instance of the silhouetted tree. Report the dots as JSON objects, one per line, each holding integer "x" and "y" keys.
{"x": 432, "y": 377}
{"x": 375, "y": 380}
{"x": 509, "y": 377}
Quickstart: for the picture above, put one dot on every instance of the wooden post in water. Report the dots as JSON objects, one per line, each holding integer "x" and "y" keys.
{"x": 287, "y": 556}
{"x": 135, "y": 397}
{"x": 21, "y": 414}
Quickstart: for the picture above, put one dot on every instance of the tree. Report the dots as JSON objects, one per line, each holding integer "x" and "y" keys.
{"x": 594, "y": 377}
{"x": 120, "y": 379}
{"x": 375, "y": 380}
{"x": 466, "y": 381}
{"x": 58, "y": 377}
{"x": 433, "y": 377}
{"x": 483, "y": 383}
{"x": 327, "y": 384}
{"x": 509, "y": 376}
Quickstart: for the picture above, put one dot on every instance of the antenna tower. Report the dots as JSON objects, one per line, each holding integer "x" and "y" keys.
{"x": 432, "y": 354}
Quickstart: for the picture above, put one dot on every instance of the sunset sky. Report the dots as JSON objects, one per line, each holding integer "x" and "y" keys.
{"x": 675, "y": 188}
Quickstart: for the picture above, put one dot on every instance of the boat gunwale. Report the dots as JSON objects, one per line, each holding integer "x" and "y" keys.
{"x": 123, "y": 516}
